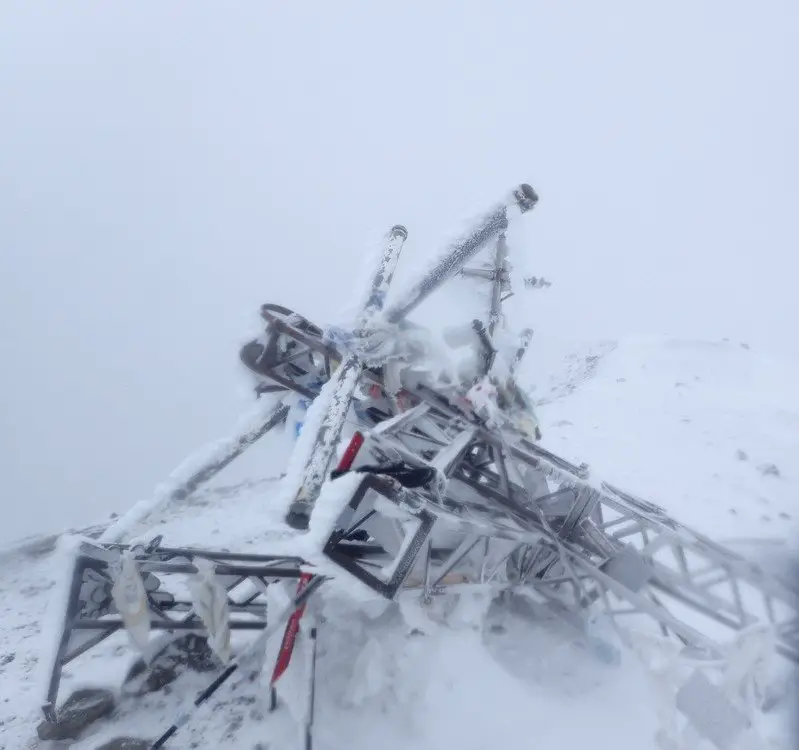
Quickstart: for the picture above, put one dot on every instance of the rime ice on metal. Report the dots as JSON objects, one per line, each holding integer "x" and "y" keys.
{"x": 491, "y": 511}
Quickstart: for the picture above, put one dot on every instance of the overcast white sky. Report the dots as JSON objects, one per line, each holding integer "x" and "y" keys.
{"x": 167, "y": 166}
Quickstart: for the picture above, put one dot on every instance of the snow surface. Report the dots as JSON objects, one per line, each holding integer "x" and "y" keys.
{"x": 693, "y": 426}
{"x": 709, "y": 430}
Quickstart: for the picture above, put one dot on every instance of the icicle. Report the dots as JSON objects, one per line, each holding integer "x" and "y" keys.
{"x": 211, "y": 604}
{"x": 130, "y": 598}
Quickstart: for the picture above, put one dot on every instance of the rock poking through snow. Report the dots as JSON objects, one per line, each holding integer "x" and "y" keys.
{"x": 82, "y": 708}
{"x": 126, "y": 743}
{"x": 189, "y": 652}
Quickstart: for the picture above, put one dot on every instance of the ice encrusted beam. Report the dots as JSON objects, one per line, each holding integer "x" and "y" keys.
{"x": 313, "y": 455}
{"x": 457, "y": 255}
{"x": 200, "y": 468}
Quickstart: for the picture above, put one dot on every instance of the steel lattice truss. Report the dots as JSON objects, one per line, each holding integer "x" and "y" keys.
{"x": 576, "y": 541}
{"x": 509, "y": 516}
{"x": 90, "y": 615}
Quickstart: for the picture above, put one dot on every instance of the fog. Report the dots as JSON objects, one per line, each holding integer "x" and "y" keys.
{"x": 167, "y": 167}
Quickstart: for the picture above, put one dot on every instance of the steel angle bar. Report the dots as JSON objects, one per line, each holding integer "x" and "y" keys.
{"x": 399, "y": 556}
{"x": 474, "y": 524}
{"x": 113, "y": 624}
{"x": 621, "y": 579}
{"x": 401, "y": 421}
{"x": 499, "y": 283}
{"x": 608, "y": 584}
{"x": 157, "y": 552}
{"x": 693, "y": 570}
{"x": 595, "y": 522}
{"x": 339, "y": 391}
{"x": 679, "y": 537}
{"x": 498, "y": 275}
{"x": 457, "y": 555}
{"x": 514, "y": 473}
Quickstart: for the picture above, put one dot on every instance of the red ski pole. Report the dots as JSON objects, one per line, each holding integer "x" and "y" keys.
{"x": 293, "y": 625}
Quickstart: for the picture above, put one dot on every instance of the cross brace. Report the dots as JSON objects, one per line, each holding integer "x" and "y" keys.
{"x": 571, "y": 540}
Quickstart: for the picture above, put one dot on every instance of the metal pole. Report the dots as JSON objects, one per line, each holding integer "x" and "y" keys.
{"x": 461, "y": 252}
{"x": 256, "y": 427}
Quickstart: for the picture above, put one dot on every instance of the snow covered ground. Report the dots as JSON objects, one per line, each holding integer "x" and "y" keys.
{"x": 705, "y": 429}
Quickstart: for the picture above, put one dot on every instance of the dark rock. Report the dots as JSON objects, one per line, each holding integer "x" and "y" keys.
{"x": 81, "y": 709}
{"x": 189, "y": 652}
{"x": 126, "y": 743}
{"x": 769, "y": 470}
{"x": 236, "y": 723}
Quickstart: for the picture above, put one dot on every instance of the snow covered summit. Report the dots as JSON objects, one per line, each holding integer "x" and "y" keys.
{"x": 706, "y": 429}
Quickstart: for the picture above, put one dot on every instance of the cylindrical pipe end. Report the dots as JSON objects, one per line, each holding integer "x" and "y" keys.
{"x": 525, "y": 197}
{"x": 398, "y": 230}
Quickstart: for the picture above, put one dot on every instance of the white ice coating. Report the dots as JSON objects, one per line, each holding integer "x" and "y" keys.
{"x": 560, "y": 671}
{"x": 381, "y": 279}
{"x": 384, "y": 343}
{"x": 448, "y": 263}
{"x": 209, "y": 454}
{"x": 325, "y": 419}
{"x": 454, "y": 257}
{"x": 310, "y": 457}
{"x": 373, "y": 279}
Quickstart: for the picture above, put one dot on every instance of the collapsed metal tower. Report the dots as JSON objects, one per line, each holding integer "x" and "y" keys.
{"x": 496, "y": 510}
